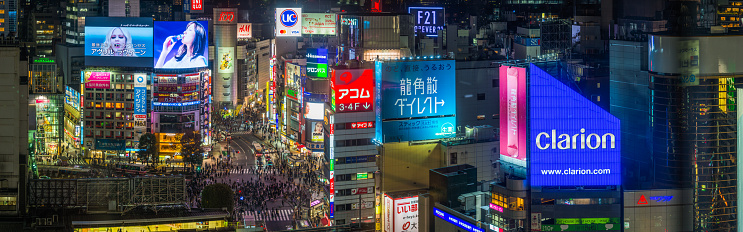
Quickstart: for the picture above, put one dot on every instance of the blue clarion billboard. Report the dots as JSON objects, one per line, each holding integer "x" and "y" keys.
{"x": 415, "y": 100}
{"x": 573, "y": 141}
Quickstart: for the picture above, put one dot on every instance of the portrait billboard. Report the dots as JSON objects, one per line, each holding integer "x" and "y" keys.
{"x": 352, "y": 90}
{"x": 317, "y": 62}
{"x": 314, "y": 111}
{"x": 572, "y": 140}
{"x": 225, "y": 59}
{"x": 293, "y": 76}
{"x": 317, "y": 132}
{"x": 415, "y": 100}
{"x": 406, "y": 214}
{"x": 513, "y": 117}
{"x": 118, "y": 41}
{"x": 244, "y": 30}
{"x": 140, "y": 94}
{"x": 318, "y": 23}
{"x": 98, "y": 80}
{"x": 288, "y": 22}
{"x": 181, "y": 44}
{"x": 72, "y": 98}
{"x": 428, "y": 20}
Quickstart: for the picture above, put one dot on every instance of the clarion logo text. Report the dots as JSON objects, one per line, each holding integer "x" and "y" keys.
{"x": 576, "y": 141}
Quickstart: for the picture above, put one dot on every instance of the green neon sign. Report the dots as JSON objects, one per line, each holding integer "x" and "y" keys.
{"x": 43, "y": 60}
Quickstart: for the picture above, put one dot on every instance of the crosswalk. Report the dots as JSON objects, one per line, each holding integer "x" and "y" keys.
{"x": 270, "y": 215}
{"x": 247, "y": 171}
{"x": 240, "y": 133}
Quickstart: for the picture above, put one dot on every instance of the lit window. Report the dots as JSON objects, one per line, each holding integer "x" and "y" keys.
{"x": 2, "y": 11}
{"x": 722, "y": 19}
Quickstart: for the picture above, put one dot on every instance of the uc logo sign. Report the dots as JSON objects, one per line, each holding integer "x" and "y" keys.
{"x": 288, "y": 18}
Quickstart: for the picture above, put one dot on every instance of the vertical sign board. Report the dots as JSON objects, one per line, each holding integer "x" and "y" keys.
{"x": 244, "y": 30}
{"x": 406, "y": 215}
{"x": 573, "y": 141}
{"x": 352, "y": 90}
{"x": 388, "y": 211}
{"x": 318, "y": 24}
{"x": 225, "y": 59}
{"x": 428, "y": 20}
{"x": 689, "y": 60}
{"x": 317, "y": 62}
{"x": 512, "y": 93}
{"x": 415, "y": 100}
{"x": 331, "y": 153}
{"x": 288, "y": 22}
{"x": 140, "y": 105}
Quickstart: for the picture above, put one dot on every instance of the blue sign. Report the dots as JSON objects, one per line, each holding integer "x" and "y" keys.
{"x": 573, "y": 141}
{"x": 456, "y": 221}
{"x": 110, "y": 144}
{"x": 415, "y": 100}
{"x": 175, "y": 103}
{"x": 428, "y": 20}
{"x": 528, "y": 41}
{"x": 289, "y": 18}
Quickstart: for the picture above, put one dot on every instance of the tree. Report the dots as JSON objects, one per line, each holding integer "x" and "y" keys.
{"x": 191, "y": 149}
{"x": 218, "y": 196}
{"x": 146, "y": 147}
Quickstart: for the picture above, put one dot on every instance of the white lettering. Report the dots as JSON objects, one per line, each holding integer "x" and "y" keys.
{"x": 539, "y": 141}
{"x": 567, "y": 141}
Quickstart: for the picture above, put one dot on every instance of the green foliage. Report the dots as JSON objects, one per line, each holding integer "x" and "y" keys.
{"x": 218, "y": 196}
{"x": 147, "y": 147}
{"x": 191, "y": 149}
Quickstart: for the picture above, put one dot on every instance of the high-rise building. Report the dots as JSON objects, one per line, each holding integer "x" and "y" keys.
{"x": 123, "y": 8}
{"x": 9, "y": 17}
{"x": 14, "y": 124}
{"x": 74, "y": 21}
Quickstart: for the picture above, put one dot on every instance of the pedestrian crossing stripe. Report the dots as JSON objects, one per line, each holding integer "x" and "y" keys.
{"x": 270, "y": 215}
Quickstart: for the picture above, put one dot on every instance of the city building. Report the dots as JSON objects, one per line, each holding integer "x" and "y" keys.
{"x": 9, "y": 17}
{"x": 74, "y": 21}
{"x": 385, "y": 36}
{"x": 123, "y": 8}
{"x": 15, "y": 136}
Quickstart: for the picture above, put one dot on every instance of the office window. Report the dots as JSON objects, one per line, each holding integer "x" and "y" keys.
{"x": 495, "y": 83}
{"x": 453, "y": 158}
{"x": 480, "y": 96}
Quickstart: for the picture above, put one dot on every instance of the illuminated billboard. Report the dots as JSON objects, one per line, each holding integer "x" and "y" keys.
{"x": 461, "y": 223}
{"x": 244, "y": 30}
{"x": 317, "y": 62}
{"x": 428, "y": 20}
{"x": 573, "y": 141}
{"x": 196, "y": 6}
{"x": 72, "y": 98}
{"x": 512, "y": 93}
{"x": 288, "y": 22}
{"x": 314, "y": 111}
{"x": 352, "y": 90}
{"x": 293, "y": 76}
{"x": 181, "y": 44}
{"x": 318, "y": 23}
{"x": 98, "y": 80}
{"x": 406, "y": 215}
{"x": 140, "y": 94}
{"x": 317, "y": 132}
{"x": 118, "y": 41}
{"x": 415, "y": 100}
{"x": 225, "y": 60}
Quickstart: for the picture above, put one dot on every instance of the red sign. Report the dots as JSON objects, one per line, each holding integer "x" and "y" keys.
{"x": 227, "y": 16}
{"x": 642, "y": 200}
{"x": 197, "y": 4}
{"x": 360, "y": 125}
{"x": 376, "y": 6}
{"x": 140, "y": 116}
{"x": 353, "y": 90}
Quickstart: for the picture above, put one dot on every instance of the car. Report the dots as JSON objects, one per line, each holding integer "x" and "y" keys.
{"x": 259, "y": 163}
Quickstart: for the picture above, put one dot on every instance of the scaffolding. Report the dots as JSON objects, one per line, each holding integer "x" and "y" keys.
{"x": 109, "y": 194}
{"x": 556, "y": 36}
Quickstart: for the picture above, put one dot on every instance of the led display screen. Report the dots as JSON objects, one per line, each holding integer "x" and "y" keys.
{"x": 181, "y": 44}
{"x": 318, "y": 24}
{"x": 428, "y": 20}
{"x": 72, "y": 98}
{"x": 314, "y": 111}
{"x": 572, "y": 140}
{"x": 225, "y": 59}
{"x": 415, "y": 100}
{"x": 317, "y": 62}
{"x": 461, "y": 223}
{"x": 98, "y": 80}
{"x": 352, "y": 90}
{"x": 288, "y": 22}
{"x": 512, "y": 93}
{"x": 317, "y": 132}
{"x": 118, "y": 41}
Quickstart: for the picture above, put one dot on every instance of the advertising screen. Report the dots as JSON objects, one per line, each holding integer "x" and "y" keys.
{"x": 317, "y": 132}
{"x": 244, "y": 30}
{"x": 461, "y": 223}
{"x": 353, "y": 90}
{"x": 118, "y": 41}
{"x": 72, "y": 98}
{"x": 314, "y": 111}
{"x": 293, "y": 76}
{"x": 572, "y": 140}
{"x": 98, "y": 80}
{"x": 288, "y": 22}
{"x": 512, "y": 93}
{"x": 226, "y": 60}
{"x": 388, "y": 211}
{"x": 317, "y": 62}
{"x": 318, "y": 24}
{"x": 415, "y": 100}
{"x": 181, "y": 44}
{"x": 428, "y": 20}
{"x": 406, "y": 215}
{"x": 140, "y": 94}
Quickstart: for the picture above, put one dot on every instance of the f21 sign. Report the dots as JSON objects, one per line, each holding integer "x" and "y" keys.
{"x": 428, "y": 20}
